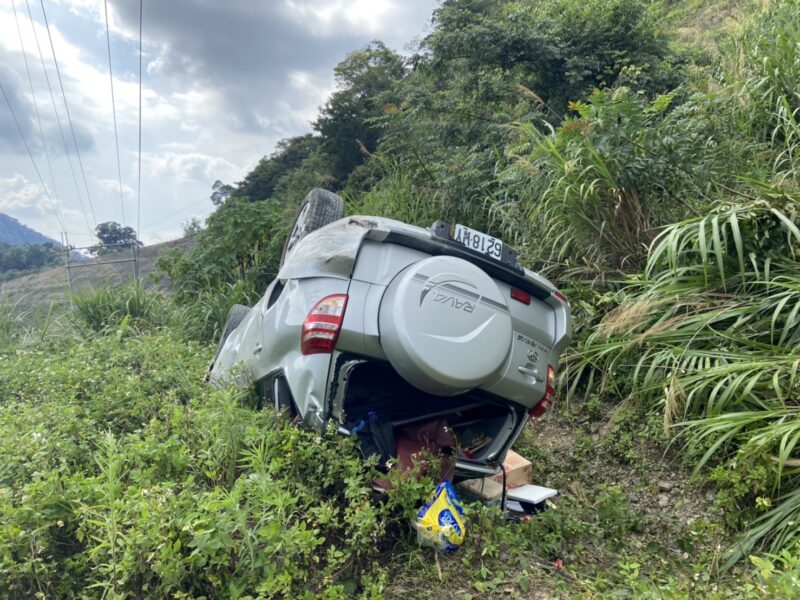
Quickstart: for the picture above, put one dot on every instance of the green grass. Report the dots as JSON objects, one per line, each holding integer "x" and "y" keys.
{"x": 121, "y": 475}
{"x": 670, "y": 219}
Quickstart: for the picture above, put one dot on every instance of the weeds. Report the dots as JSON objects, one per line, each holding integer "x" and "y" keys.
{"x": 671, "y": 214}
{"x": 107, "y": 307}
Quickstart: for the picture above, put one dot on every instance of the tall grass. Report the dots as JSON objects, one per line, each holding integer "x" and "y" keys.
{"x": 11, "y": 322}
{"x": 204, "y": 318}
{"x": 597, "y": 190}
{"x": 106, "y": 307}
{"x": 21, "y": 324}
{"x": 118, "y": 307}
{"x": 711, "y": 334}
{"x": 397, "y": 196}
{"x": 768, "y": 64}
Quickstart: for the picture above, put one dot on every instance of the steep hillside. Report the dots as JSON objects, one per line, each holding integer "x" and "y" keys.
{"x": 643, "y": 154}
{"x": 14, "y": 233}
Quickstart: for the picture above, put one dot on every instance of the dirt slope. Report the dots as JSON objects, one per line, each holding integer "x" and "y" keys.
{"x": 50, "y": 285}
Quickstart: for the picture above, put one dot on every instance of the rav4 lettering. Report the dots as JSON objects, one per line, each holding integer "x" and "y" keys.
{"x": 454, "y": 302}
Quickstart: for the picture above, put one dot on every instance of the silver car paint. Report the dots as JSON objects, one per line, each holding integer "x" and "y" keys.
{"x": 348, "y": 256}
{"x": 268, "y": 341}
{"x": 331, "y": 251}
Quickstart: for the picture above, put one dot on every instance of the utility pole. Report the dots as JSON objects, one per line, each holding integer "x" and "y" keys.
{"x": 65, "y": 245}
{"x": 135, "y": 254}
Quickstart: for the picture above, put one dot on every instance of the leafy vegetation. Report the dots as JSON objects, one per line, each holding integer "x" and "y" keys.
{"x": 654, "y": 176}
{"x": 114, "y": 237}
{"x": 29, "y": 256}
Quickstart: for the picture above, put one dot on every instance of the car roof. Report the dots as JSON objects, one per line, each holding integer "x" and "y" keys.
{"x": 331, "y": 250}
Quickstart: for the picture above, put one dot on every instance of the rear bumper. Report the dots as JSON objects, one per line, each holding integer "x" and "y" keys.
{"x": 343, "y": 367}
{"x": 511, "y": 274}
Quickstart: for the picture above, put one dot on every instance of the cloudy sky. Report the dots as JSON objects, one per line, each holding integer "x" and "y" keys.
{"x": 223, "y": 82}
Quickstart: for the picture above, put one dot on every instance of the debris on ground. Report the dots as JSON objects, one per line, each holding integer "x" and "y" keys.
{"x": 521, "y": 499}
{"x": 518, "y": 470}
{"x": 440, "y": 523}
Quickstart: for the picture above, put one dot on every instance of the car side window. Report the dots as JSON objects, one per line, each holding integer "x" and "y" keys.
{"x": 274, "y": 293}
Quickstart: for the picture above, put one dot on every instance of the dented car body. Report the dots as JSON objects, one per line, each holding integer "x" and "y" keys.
{"x": 371, "y": 318}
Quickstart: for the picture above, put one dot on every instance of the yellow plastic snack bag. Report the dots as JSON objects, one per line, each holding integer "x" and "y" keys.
{"x": 441, "y": 523}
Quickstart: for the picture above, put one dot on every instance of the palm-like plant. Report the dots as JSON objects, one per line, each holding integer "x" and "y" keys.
{"x": 711, "y": 332}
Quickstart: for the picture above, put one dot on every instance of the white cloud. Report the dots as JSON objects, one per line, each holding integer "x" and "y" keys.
{"x": 26, "y": 201}
{"x": 223, "y": 83}
{"x": 188, "y": 166}
{"x": 110, "y": 187}
{"x": 326, "y": 17}
{"x": 16, "y": 192}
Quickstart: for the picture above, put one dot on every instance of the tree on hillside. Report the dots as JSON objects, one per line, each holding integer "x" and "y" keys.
{"x": 488, "y": 63}
{"x": 220, "y": 192}
{"x": 114, "y": 238}
{"x": 366, "y": 80}
{"x": 289, "y": 154}
{"x": 26, "y": 257}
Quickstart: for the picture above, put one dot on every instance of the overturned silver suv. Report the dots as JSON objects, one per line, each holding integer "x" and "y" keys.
{"x": 373, "y": 320}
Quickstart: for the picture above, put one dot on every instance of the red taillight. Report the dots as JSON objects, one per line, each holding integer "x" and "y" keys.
{"x": 322, "y": 325}
{"x": 560, "y": 296}
{"x": 549, "y": 395}
{"x": 520, "y": 296}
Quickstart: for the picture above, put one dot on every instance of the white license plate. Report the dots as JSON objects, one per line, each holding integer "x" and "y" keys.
{"x": 485, "y": 244}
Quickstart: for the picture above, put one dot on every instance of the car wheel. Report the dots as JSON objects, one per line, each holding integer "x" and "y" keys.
{"x": 317, "y": 209}
{"x": 236, "y": 315}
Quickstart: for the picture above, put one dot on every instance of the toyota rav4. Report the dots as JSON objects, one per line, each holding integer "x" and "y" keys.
{"x": 371, "y": 318}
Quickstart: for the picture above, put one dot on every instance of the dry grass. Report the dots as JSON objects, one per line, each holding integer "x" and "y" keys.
{"x": 50, "y": 285}
{"x": 627, "y": 317}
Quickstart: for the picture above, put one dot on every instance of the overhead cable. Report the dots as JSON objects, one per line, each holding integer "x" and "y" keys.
{"x": 55, "y": 201}
{"x": 58, "y": 119}
{"x": 30, "y": 154}
{"x": 66, "y": 107}
{"x": 139, "y": 176}
{"x": 174, "y": 214}
{"x": 114, "y": 113}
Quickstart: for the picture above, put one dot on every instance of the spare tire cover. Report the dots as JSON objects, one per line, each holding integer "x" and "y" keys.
{"x": 445, "y": 325}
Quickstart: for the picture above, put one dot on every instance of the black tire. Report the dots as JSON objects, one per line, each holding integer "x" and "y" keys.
{"x": 236, "y": 315}
{"x": 317, "y": 209}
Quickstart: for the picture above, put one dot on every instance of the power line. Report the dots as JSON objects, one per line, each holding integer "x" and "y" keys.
{"x": 69, "y": 117}
{"x": 177, "y": 212}
{"x": 114, "y": 112}
{"x": 58, "y": 119}
{"x": 30, "y": 154}
{"x": 56, "y": 206}
{"x": 139, "y": 176}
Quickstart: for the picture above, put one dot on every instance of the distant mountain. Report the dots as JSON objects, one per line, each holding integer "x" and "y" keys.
{"x": 14, "y": 233}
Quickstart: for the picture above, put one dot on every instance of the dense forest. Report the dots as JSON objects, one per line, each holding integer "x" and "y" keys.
{"x": 25, "y": 258}
{"x": 643, "y": 154}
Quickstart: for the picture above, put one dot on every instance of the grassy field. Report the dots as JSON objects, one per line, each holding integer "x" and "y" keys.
{"x": 50, "y": 285}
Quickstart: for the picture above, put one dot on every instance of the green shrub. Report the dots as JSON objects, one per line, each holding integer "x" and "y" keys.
{"x": 204, "y": 318}
{"x": 596, "y": 190}
{"x": 122, "y": 475}
{"x": 710, "y": 335}
{"x": 108, "y": 307}
{"x": 242, "y": 241}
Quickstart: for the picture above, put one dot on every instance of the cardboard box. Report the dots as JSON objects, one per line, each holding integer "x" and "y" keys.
{"x": 490, "y": 489}
{"x": 483, "y": 489}
{"x": 518, "y": 471}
